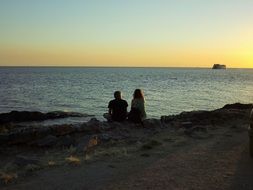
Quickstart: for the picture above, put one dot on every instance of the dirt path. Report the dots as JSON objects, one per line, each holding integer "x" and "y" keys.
{"x": 219, "y": 162}
{"x": 222, "y": 163}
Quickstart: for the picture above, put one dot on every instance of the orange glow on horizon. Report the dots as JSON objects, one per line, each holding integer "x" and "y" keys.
{"x": 124, "y": 57}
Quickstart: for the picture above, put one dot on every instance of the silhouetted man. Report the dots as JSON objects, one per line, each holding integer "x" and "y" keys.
{"x": 117, "y": 108}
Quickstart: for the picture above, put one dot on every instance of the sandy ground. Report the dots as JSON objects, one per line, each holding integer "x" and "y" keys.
{"x": 219, "y": 160}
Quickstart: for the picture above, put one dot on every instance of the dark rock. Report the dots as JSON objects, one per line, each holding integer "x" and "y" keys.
{"x": 93, "y": 120}
{"x": 151, "y": 144}
{"x": 4, "y": 138}
{"x": 60, "y": 130}
{"x": 186, "y": 124}
{"x": 167, "y": 119}
{"x": 111, "y": 166}
{"x": 93, "y": 126}
{"x": 197, "y": 132}
{"x": 211, "y": 117}
{"x": 66, "y": 141}
{"x": 81, "y": 127}
{"x": 145, "y": 155}
{"x": 82, "y": 143}
{"x": 87, "y": 143}
{"x": 151, "y": 123}
{"x": 22, "y": 136}
{"x": 24, "y": 161}
{"x": 22, "y": 116}
{"x": 194, "y": 129}
{"x": 238, "y": 106}
{"x": 105, "y": 137}
{"x": 105, "y": 126}
{"x": 47, "y": 141}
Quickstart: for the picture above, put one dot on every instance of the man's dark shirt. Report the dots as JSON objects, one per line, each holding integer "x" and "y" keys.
{"x": 119, "y": 109}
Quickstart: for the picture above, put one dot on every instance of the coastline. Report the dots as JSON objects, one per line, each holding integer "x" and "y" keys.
{"x": 212, "y": 145}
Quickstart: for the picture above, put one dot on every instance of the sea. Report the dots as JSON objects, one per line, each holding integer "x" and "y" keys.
{"x": 88, "y": 90}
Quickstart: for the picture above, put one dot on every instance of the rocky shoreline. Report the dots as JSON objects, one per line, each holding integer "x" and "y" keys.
{"x": 23, "y": 146}
{"x": 12, "y": 134}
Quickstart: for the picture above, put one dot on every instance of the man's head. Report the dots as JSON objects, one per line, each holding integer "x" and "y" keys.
{"x": 117, "y": 95}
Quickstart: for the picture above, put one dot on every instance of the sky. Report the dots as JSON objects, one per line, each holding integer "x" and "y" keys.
{"x": 131, "y": 33}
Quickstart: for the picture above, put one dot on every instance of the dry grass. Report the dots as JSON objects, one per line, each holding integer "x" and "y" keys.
{"x": 91, "y": 144}
{"x": 51, "y": 163}
{"x": 112, "y": 152}
{"x": 73, "y": 160}
{"x": 3, "y": 130}
{"x": 8, "y": 177}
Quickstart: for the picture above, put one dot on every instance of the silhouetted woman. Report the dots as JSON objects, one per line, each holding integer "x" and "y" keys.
{"x": 137, "y": 113}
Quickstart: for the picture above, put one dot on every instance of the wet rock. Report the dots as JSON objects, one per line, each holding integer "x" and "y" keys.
{"x": 24, "y": 161}
{"x": 47, "y": 141}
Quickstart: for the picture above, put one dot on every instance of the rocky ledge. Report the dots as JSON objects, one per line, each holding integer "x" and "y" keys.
{"x": 43, "y": 136}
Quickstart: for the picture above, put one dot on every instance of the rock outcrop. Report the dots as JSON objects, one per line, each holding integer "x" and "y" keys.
{"x": 24, "y": 116}
{"x": 61, "y": 135}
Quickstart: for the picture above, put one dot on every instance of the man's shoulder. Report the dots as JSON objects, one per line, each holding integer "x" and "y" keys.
{"x": 118, "y": 102}
{"x": 111, "y": 103}
{"x": 123, "y": 100}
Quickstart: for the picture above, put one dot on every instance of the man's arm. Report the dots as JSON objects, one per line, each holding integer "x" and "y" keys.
{"x": 110, "y": 111}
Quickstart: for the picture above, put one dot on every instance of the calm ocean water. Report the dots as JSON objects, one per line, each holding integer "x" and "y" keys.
{"x": 88, "y": 90}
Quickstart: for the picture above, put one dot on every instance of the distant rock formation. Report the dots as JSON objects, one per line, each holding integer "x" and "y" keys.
{"x": 218, "y": 66}
{"x": 23, "y": 116}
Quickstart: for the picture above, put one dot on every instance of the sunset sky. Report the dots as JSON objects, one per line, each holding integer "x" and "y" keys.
{"x": 144, "y": 33}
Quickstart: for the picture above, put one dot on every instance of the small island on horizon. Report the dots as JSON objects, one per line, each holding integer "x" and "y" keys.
{"x": 219, "y": 66}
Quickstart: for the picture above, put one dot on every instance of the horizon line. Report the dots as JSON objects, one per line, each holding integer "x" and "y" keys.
{"x": 53, "y": 66}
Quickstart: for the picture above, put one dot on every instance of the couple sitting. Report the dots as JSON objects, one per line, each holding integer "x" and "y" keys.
{"x": 118, "y": 108}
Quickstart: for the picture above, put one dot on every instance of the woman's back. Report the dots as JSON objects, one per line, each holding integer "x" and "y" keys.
{"x": 139, "y": 103}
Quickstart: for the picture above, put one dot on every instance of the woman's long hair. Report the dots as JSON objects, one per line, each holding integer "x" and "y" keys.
{"x": 138, "y": 94}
